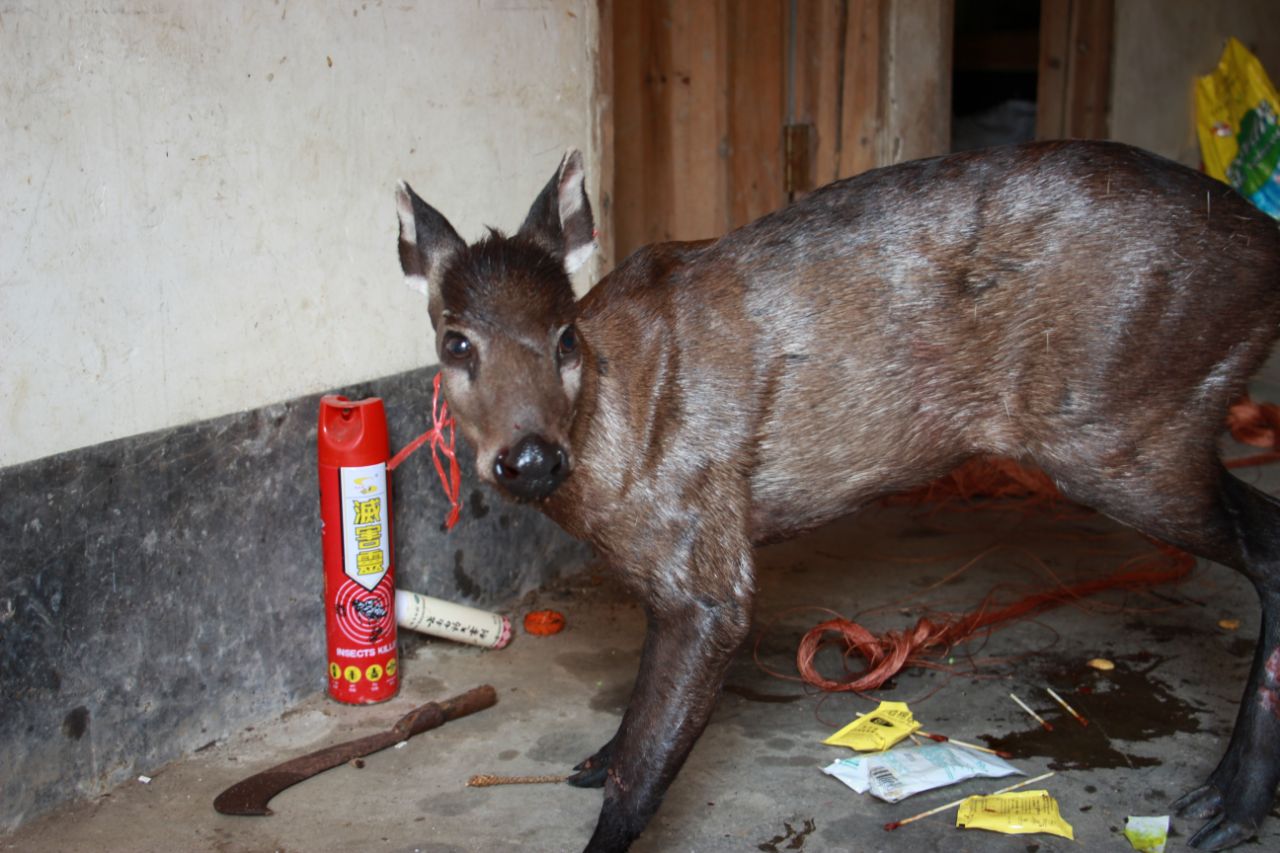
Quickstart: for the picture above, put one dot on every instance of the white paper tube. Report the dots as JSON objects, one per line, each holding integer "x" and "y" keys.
{"x": 451, "y": 621}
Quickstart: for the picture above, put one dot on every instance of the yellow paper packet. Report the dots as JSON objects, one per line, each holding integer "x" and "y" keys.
{"x": 877, "y": 730}
{"x": 1014, "y": 813}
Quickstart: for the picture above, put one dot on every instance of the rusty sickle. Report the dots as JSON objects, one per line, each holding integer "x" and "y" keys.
{"x": 250, "y": 796}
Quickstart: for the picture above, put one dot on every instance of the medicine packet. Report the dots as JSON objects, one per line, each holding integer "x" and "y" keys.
{"x": 1014, "y": 813}
{"x": 899, "y": 773}
{"x": 875, "y": 730}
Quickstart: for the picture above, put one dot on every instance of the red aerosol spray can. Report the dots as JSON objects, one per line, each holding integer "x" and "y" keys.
{"x": 359, "y": 567}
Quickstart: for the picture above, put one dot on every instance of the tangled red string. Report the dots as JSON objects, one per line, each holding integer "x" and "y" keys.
{"x": 1256, "y": 424}
{"x": 442, "y": 438}
{"x": 886, "y": 655}
{"x": 1253, "y": 423}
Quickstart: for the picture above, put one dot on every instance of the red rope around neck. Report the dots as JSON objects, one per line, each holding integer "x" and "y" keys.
{"x": 442, "y": 438}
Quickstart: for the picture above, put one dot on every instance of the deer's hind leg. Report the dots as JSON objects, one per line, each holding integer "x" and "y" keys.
{"x": 1207, "y": 511}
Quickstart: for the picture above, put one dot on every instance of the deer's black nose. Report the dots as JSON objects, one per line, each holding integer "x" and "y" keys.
{"x": 532, "y": 469}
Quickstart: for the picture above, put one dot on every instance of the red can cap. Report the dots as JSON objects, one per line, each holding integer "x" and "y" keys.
{"x": 352, "y": 433}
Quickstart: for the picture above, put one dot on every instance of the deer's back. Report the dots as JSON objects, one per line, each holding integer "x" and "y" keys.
{"x": 1049, "y": 301}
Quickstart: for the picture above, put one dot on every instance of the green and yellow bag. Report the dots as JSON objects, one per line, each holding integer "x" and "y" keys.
{"x": 1236, "y": 108}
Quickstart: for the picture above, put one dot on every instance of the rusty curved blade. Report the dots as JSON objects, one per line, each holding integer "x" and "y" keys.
{"x": 250, "y": 796}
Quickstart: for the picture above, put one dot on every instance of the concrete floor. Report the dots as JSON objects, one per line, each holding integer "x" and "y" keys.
{"x": 1160, "y": 719}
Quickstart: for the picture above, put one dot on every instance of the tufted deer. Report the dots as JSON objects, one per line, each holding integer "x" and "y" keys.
{"x": 1084, "y": 306}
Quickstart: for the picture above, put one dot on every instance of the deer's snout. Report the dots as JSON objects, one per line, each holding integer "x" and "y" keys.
{"x": 532, "y": 469}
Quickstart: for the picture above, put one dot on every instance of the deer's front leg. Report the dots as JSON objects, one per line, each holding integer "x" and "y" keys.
{"x": 699, "y": 614}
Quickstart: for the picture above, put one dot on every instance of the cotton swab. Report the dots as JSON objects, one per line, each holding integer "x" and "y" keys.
{"x": 1072, "y": 711}
{"x": 1048, "y": 727}
{"x": 944, "y": 739}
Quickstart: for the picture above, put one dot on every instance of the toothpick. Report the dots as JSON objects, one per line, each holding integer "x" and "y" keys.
{"x": 892, "y": 825}
{"x": 1048, "y": 727}
{"x": 945, "y": 739}
{"x": 1072, "y": 711}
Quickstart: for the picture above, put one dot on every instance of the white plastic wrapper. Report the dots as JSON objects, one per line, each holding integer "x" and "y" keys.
{"x": 899, "y": 773}
{"x": 1147, "y": 834}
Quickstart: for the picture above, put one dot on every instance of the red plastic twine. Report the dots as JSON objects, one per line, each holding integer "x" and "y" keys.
{"x": 888, "y": 654}
{"x": 442, "y": 438}
{"x": 1256, "y": 424}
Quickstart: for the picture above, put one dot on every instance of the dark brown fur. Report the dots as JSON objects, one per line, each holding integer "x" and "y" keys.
{"x": 1084, "y": 306}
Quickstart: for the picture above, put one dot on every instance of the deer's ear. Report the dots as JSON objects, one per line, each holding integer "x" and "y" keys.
{"x": 560, "y": 219}
{"x": 427, "y": 242}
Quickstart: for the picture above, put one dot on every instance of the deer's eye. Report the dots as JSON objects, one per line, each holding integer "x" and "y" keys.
{"x": 566, "y": 349}
{"x": 456, "y": 347}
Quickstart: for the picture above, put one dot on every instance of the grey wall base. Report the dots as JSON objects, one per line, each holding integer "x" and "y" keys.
{"x": 161, "y": 591}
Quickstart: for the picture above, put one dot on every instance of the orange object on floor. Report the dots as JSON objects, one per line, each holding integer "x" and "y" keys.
{"x": 544, "y": 623}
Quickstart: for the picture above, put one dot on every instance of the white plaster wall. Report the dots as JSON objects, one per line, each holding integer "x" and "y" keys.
{"x": 196, "y": 210}
{"x": 1161, "y": 46}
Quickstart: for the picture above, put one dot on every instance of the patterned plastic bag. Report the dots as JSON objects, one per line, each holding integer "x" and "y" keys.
{"x": 1236, "y": 108}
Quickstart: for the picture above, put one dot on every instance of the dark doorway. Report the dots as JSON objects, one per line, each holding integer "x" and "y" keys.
{"x": 1026, "y": 71}
{"x": 994, "y": 76}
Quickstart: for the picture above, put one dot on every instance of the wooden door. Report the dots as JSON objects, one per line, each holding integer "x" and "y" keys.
{"x": 1074, "y": 76}
{"x": 718, "y": 111}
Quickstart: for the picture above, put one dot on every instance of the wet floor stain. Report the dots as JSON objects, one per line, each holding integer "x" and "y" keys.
{"x": 1129, "y": 704}
{"x": 611, "y": 698}
{"x": 598, "y": 663}
{"x": 449, "y": 803}
{"x": 562, "y": 748}
{"x": 1164, "y": 632}
{"x": 791, "y": 839}
{"x": 608, "y": 671}
{"x": 1241, "y": 647}
{"x": 801, "y": 760}
{"x": 760, "y": 696}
